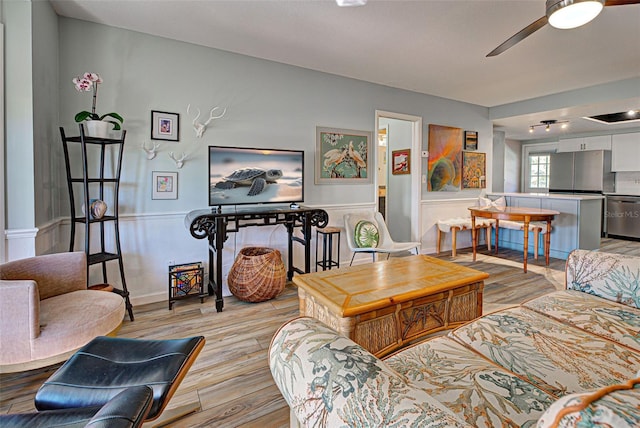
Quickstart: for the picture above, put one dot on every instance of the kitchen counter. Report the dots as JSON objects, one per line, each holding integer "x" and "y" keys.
{"x": 572, "y": 197}
{"x": 579, "y": 224}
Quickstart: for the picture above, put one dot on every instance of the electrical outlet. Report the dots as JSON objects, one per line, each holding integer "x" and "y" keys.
{"x": 424, "y": 154}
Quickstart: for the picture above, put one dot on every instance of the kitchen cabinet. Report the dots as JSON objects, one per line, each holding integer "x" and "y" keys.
{"x": 625, "y": 152}
{"x": 598, "y": 142}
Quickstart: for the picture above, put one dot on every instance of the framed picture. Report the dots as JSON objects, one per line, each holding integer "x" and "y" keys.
{"x": 473, "y": 170}
{"x": 445, "y": 159}
{"x": 401, "y": 162}
{"x": 165, "y": 126}
{"x": 164, "y": 185}
{"x": 470, "y": 140}
{"x": 343, "y": 156}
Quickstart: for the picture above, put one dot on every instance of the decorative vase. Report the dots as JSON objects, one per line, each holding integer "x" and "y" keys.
{"x": 97, "y": 128}
{"x": 97, "y": 208}
{"x": 258, "y": 274}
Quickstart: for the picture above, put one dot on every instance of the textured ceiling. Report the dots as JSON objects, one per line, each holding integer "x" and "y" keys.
{"x": 432, "y": 47}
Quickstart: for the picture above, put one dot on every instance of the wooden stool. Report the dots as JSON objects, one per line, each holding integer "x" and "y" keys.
{"x": 327, "y": 261}
{"x": 453, "y": 225}
{"x": 538, "y": 228}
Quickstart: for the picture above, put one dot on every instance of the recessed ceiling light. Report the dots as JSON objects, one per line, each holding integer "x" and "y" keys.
{"x": 615, "y": 118}
{"x": 347, "y": 3}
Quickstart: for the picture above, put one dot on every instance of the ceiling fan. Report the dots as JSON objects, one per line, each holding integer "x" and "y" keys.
{"x": 563, "y": 14}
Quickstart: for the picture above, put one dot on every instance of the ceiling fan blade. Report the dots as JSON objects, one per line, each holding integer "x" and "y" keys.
{"x": 520, "y": 36}
{"x": 620, "y": 2}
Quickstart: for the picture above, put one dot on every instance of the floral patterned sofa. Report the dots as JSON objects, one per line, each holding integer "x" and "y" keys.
{"x": 569, "y": 358}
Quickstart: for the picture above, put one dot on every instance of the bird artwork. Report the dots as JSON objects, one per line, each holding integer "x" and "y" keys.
{"x": 342, "y": 159}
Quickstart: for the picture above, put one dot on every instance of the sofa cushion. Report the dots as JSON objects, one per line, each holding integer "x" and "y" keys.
{"x": 477, "y": 390}
{"x": 555, "y": 356}
{"x": 325, "y": 378}
{"x": 608, "y": 319}
{"x": 611, "y": 276}
{"x": 65, "y": 323}
{"x": 614, "y": 406}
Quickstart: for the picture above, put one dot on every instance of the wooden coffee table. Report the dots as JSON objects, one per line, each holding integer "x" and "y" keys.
{"x": 384, "y": 305}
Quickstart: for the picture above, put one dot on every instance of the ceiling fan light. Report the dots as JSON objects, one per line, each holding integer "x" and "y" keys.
{"x": 348, "y": 3}
{"x": 566, "y": 14}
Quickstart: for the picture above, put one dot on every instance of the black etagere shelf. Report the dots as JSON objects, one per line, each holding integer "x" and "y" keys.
{"x": 82, "y": 187}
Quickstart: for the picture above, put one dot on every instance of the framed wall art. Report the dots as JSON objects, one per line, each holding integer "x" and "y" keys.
{"x": 343, "y": 156}
{"x": 471, "y": 140}
{"x": 164, "y": 185}
{"x": 474, "y": 170}
{"x": 401, "y": 162}
{"x": 165, "y": 126}
{"x": 445, "y": 159}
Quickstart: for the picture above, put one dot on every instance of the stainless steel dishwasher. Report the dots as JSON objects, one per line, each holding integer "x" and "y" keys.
{"x": 623, "y": 216}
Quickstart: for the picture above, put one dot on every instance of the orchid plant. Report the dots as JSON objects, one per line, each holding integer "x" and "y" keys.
{"x": 89, "y": 82}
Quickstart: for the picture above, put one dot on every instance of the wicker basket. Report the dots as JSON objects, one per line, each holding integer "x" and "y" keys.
{"x": 257, "y": 274}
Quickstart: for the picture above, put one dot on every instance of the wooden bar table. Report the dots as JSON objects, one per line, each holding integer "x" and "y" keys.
{"x": 387, "y": 304}
{"x": 525, "y": 215}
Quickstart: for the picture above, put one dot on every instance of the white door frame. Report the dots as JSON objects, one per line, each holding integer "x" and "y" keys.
{"x": 416, "y": 165}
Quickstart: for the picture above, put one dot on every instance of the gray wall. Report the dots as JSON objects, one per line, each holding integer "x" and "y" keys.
{"x": 268, "y": 105}
{"x": 512, "y": 165}
{"x": 398, "y": 186}
{"x": 498, "y": 161}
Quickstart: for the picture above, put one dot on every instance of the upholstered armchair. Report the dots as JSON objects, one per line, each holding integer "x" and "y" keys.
{"x": 47, "y": 312}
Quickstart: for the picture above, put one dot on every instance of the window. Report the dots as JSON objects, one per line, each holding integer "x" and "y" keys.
{"x": 539, "y": 171}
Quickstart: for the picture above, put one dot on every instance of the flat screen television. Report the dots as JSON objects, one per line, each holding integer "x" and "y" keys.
{"x": 240, "y": 176}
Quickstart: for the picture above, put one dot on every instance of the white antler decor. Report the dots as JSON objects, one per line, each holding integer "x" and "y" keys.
{"x": 179, "y": 162}
{"x": 151, "y": 153}
{"x": 200, "y": 127}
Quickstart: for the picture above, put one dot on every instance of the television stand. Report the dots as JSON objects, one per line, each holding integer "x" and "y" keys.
{"x": 215, "y": 225}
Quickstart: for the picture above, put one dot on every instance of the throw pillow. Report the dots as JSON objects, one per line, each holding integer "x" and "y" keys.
{"x": 366, "y": 234}
{"x": 498, "y": 203}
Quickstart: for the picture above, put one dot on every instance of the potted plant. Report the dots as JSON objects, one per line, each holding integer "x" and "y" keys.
{"x": 96, "y": 125}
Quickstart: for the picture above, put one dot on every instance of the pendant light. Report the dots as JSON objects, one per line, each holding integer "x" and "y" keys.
{"x": 566, "y": 14}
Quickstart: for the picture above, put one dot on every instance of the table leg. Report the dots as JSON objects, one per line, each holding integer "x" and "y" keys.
{"x": 473, "y": 236}
{"x": 526, "y": 242}
{"x": 307, "y": 243}
{"x": 547, "y": 242}
{"x": 290, "y": 271}
{"x": 497, "y": 235}
{"x": 221, "y": 235}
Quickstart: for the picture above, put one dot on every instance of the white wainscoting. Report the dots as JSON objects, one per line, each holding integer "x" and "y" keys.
{"x": 20, "y": 243}
{"x": 442, "y": 209}
{"x": 149, "y": 242}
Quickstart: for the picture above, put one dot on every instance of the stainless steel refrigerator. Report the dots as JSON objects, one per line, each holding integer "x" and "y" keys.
{"x": 581, "y": 172}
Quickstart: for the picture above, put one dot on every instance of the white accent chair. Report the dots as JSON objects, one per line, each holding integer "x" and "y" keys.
{"x": 386, "y": 245}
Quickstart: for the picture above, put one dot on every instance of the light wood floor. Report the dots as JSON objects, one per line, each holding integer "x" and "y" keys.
{"x": 231, "y": 378}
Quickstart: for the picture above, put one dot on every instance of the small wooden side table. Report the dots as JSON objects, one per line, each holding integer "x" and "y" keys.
{"x": 327, "y": 261}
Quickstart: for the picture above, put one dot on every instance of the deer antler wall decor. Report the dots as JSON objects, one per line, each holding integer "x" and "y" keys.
{"x": 200, "y": 127}
{"x": 179, "y": 162}
{"x": 151, "y": 153}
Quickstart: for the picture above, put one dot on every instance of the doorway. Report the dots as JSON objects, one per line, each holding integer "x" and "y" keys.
{"x": 398, "y": 192}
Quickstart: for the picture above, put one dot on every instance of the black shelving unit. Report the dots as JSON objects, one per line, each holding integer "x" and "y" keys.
{"x": 86, "y": 183}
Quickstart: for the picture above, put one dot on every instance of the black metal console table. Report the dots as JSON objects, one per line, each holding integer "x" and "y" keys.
{"x": 215, "y": 226}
